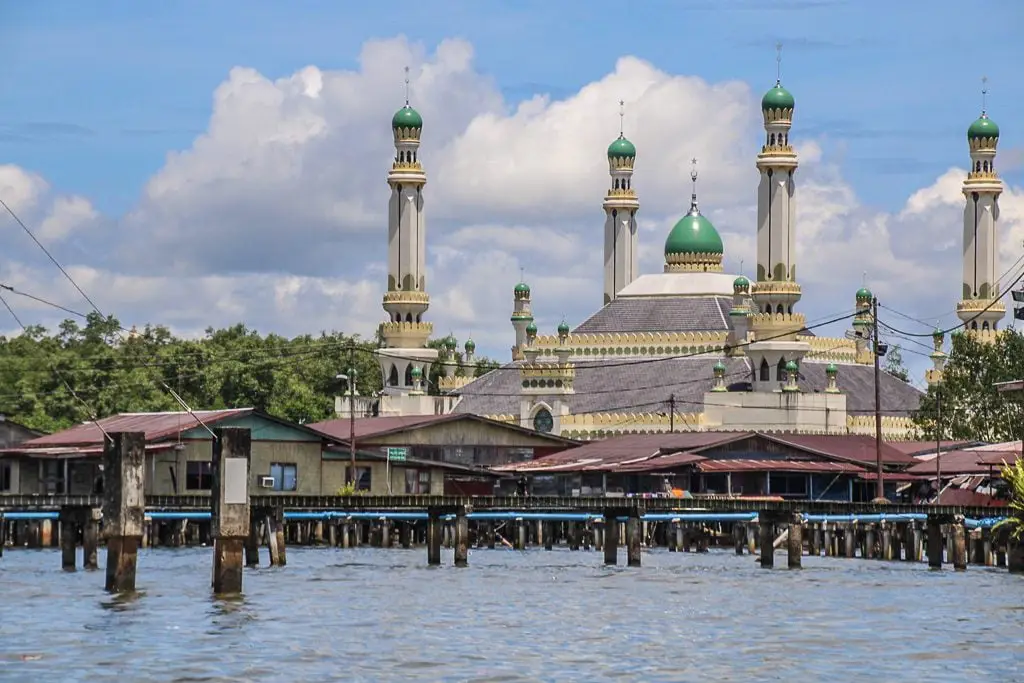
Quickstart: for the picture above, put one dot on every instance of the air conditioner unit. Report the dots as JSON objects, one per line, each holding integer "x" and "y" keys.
{"x": 266, "y": 482}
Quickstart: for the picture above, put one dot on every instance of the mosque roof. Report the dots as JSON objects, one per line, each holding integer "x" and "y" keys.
{"x": 660, "y": 314}
{"x": 628, "y": 386}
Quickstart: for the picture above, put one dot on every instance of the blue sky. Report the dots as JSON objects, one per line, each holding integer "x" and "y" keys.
{"x": 97, "y": 99}
{"x": 95, "y": 94}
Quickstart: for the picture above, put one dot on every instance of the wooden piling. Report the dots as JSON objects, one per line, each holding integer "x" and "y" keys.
{"x": 827, "y": 533}
{"x": 68, "y": 537}
{"x": 633, "y": 541}
{"x": 959, "y": 545}
{"x": 548, "y": 534}
{"x": 282, "y": 549}
{"x": 433, "y": 538}
{"x": 751, "y": 538}
{"x": 229, "y": 506}
{"x": 611, "y": 539}
{"x": 767, "y": 529}
{"x": 934, "y": 530}
{"x": 124, "y": 458}
{"x": 90, "y": 539}
{"x": 461, "y": 541}
{"x": 795, "y": 542}
{"x": 739, "y": 538}
{"x": 252, "y": 543}
{"x": 849, "y": 540}
{"x": 1015, "y": 556}
{"x": 3, "y": 533}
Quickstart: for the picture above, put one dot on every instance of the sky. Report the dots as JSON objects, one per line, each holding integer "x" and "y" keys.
{"x": 199, "y": 164}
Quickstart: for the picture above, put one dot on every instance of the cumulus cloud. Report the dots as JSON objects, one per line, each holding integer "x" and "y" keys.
{"x": 276, "y": 214}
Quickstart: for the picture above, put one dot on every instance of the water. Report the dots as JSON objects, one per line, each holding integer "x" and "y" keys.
{"x": 383, "y": 615}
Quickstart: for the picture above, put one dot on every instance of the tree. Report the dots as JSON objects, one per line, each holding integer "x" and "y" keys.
{"x": 894, "y": 364}
{"x": 1013, "y": 474}
{"x": 971, "y": 407}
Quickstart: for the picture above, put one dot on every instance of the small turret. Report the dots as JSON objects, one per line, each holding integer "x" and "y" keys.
{"x": 719, "y": 371}
{"x": 792, "y": 377}
{"x": 831, "y": 372}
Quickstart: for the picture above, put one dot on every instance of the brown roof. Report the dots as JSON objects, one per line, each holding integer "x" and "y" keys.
{"x": 632, "y": 446}
{"x": 921, "y": 447}
{"x": 858, "y": 448}
{"x": 968, "y": 498}
{"x": 156, "y": 426}
{"x": 661, "y": 463}
{"x": 370, "y": 427}
{"x": 748, "y": 465}
{"x": 967, "y": 461}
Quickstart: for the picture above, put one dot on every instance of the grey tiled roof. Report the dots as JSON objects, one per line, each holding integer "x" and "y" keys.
{"x": 644, "y": 386}
{"x": 660, "y": 314}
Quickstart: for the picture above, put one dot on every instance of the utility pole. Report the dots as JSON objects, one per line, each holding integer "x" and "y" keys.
{"x": 880, "y": 484}
{"x": 672, "y": 413}
{"x": 352, "y": 414}
{"x": 938, "y": 444}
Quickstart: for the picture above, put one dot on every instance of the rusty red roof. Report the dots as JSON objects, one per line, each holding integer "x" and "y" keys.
{"x": 967, "y": 461}
{"x": 340, "y": 429}
{"x": 661, "y": 463}
{"x": 923, "y": 447}
{"x": 858, "y": 448}
{"x": 745, "y": 465}
{"x": 156, "y": 426}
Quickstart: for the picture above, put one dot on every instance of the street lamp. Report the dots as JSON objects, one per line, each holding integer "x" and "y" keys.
{"x": 351, "y": 379}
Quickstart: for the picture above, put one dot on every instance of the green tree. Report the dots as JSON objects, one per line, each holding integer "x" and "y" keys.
{"x": 1014, "y": 476}
{"x": 894, "y": 363}
{"x": 971, "y": 407}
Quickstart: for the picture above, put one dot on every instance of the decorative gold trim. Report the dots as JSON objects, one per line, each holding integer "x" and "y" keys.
{"x": 689, "y": 262}
{"x": 983, "y": 144}
{"x": 621, "y": 163}
{"x": 406, "y": 134}
{"x": 403, "y": 296}
{"x": 894, "y": 428}
{"x": 778, "y": 115}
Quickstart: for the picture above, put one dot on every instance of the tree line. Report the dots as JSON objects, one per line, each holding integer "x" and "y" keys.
{"x": 52, "y": 380}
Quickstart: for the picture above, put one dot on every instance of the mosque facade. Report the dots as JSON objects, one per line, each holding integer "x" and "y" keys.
{"x": 690, "y": 348}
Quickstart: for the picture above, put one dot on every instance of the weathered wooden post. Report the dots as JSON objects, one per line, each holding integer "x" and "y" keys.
{"x": 405, "y": 535}
{"x": 739, "y": 538}
{"x": 229, "y": 506}
{"x": 827, "y": 532}
{"x": 433, "y": 538}
{"x": 3, "y": 532}
{"x": 252, "y": 541}
{"x": 850, "y": 540}
{"x": 90, "y": 539}
{"x": 68, "y": 537}
{"x": 934, "y": 528}
{"x": 1015, "y": 555}
{"x": 548, "y": 534}
{"x": 611, "y": 538}
{"x": 959, "y": 549}
{"x": 461, "y": 537}
{"x": 767, "y": 528}
{"x": 795, "y": 541}
{"x": 633, "y": 539}
{"x": 124, "y": 507}
{"x": 272, "y": 548}
{"x": 282, "y": 549}
{"x": 751, "y": 539}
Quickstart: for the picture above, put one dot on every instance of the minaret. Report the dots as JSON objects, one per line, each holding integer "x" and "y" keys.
{"x": 620, "y": 207}
{"x": 406, "y": 301}
{"x": 776, "y": 289}
{"x": 522, "y": 316}
{"x": 981, "y": 188}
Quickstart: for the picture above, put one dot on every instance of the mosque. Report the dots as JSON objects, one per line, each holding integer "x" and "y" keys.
{"x": 688, "y": 349}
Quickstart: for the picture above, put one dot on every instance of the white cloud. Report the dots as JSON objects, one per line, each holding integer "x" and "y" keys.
{"x": 276, "y": 215}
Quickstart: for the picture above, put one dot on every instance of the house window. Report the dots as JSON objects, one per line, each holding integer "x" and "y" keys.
{"x": 5, "y": 476}
{"x": 417, "y": 481}
{"x": 784, "y": 484}
{"x": 198, "y": 475}
{"x": 286, "y": 476}
{"x": 363, "y": 478}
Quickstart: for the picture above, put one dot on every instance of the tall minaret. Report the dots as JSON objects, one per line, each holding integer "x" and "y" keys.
{"x": 776, "y": 285}
{"x": 405, "y": 334}
{"x": 982, "y": 188}
{"x": 620, "y": 207}
{"x": 522, "y": 317}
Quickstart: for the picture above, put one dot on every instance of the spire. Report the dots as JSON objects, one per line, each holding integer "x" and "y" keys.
{"x": 622, "y": 118}
{"x": 778, "y": 63}
{"x": 984, "y": 95}
{"x": 407, "y": 86}
{"x": 693, "y": 179}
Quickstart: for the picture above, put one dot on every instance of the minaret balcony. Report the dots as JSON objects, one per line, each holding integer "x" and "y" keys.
{"x": 777, "y": 158}
{"x": 982, "y": 181}
{"x": 620, "y": 193}
{"x": 972, "y": 306}
{"x": 405, "y": 335}
{"x": 777, "y": 325}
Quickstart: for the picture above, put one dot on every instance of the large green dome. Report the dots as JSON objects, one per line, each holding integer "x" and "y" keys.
{"x": 777, "y": 98}
{"x": 621, "y": 149}
{"x": 693, "y": 234}
{"x": 983, "y": 127}
{"x": 407, "y": 117}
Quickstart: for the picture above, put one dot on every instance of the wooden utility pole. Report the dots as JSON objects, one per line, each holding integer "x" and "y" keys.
{"x": 672, "y": 413}
{"x": 938, "y": 444}
{"x": 880, "y": 485}
{"x": 352, "y": 414}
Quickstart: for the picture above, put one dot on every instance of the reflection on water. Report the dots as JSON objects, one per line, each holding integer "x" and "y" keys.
{"x": 383, "y": 615}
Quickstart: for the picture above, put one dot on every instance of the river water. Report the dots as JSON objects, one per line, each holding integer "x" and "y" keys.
{"x": 383, "y": 615}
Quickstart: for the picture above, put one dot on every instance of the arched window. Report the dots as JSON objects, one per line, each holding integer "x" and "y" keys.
{"x": 393, "y": 377}
{"x": 780, "y": 370}
{"x": 408, "y": 376}
{"x": 542, "y": 421}
{"x": 766, "y": 371}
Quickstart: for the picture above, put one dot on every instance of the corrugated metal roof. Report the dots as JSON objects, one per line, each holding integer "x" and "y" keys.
{"x": 155, "y": 425}
{"x": 858, "y": 448}
{"x": 968, "y": 461}
{"x": 743, "y": 465}
{"x": 662, "y": 463}
{"x": 632, "y": 446}
{"x": 917, "y": 448}
{"x": 368, "y": 426}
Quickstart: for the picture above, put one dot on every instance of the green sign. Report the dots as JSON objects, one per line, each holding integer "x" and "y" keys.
{"x": 397, "y": 454}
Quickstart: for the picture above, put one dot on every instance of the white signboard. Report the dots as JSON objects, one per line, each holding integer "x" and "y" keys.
{"x": 236, "y": 481}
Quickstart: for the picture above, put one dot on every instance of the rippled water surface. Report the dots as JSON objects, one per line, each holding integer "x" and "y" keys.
{"x": 383, "y": 615}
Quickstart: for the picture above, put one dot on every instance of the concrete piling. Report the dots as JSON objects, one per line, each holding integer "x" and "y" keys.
{"x": 229, "y": 506}
{"x": 461, "y": 533}
{"x": 959, "y": 544}
{"x": 795, "y": 541}
{"x": 124, "y": 458}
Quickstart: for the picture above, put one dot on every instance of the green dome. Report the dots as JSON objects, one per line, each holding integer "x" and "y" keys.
{"x": 521, "y": 316}
{"x": 831, "y": 369}
{"x": 777, "y": 98}
{"x": 791, "y": 366}
{"x": 470, "y": 346}
{"x": 938, "y": 334}
{"x": 693, "y": 234}
{"x": 563, "y": 328}
{"x": 531, "y": 329}
{"x": 450, "y": 342}
{"x": 416, "y": 372}
{"x": 621, "y": 149}
{"x": 522, "y": 288}
{"x": 741, "y": 283}
{"x": 863, "y": 294}
{"x": 407, "y": 117}
{"x": 719, "y": 366}
{"x": 983, "y": 127}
